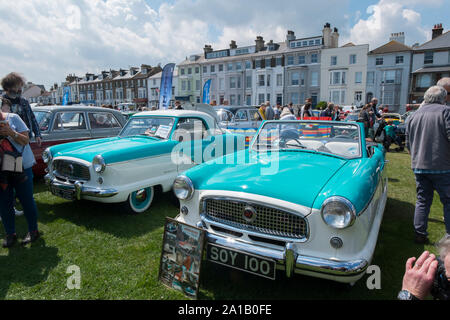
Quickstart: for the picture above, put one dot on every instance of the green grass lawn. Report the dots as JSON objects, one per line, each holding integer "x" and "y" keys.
{"x": 119, "y": 254}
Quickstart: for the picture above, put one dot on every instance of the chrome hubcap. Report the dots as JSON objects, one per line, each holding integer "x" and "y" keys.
{"x": 141, "y": 195}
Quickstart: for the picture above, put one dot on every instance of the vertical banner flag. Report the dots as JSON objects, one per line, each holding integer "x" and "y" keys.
{"x": 206, "y": 89}
{"x": 165, "y": 92}
{"x": 66, "y": 95}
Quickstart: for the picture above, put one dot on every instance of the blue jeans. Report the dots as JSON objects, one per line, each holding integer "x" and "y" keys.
{"x": 426, "y": 184}
{"x": 24, "y": 192}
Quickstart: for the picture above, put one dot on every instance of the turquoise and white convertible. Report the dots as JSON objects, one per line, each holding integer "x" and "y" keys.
{"x": 307, "y": 197}
{"x": 148, "y": 154}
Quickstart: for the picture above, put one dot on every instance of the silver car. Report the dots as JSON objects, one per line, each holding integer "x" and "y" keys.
{"x": 237, "y": 119}
{"x": 63, "y": 124}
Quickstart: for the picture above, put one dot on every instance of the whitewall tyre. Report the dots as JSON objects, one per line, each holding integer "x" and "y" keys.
{"x": 140, "y": 200}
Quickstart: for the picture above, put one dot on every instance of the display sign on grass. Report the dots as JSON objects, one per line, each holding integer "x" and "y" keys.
{"x": 181, "y": 257}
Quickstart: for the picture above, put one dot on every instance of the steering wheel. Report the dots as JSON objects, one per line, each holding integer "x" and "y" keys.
{"x": 342, "y": 136}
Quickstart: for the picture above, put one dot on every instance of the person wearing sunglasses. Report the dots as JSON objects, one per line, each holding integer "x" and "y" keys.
{"x": 13, "y": 84}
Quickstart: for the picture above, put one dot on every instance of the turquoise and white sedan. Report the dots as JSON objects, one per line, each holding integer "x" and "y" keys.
{"x": 148, "y": 154}
{"x": 307, "y": 197}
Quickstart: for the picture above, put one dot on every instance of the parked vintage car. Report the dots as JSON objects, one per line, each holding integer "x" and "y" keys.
{"x": 400, "y": 129}
{"x": 239, "y": 119}
{"x": 308, "y": 199}
{"x": 396, "y": 118}
{"x": 147, "y": 155}
{"x": 352, "y": 117}
{"x": 62, "y": 124}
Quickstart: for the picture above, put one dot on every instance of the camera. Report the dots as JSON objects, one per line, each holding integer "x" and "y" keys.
{"x": 441, "y": 284}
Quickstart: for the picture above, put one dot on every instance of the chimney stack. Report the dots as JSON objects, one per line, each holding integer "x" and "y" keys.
{"x": 335, "y": 38}
{"x": 398, "y": 36}
{"x": 233, "y": 44}
{"x": 437, "y": 30}
{"x": 327, "y": 35}
{"x": 207, "y": 49}
{"x": 290, "y": 36}
{"x": 259, "y": 43}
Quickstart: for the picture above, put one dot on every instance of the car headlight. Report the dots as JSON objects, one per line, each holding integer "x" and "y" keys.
{"x": 338, "y": 212}
{"x": 99, "y": 164}
{"x": 183, "y": 188}
{"x": 47, "y": 156}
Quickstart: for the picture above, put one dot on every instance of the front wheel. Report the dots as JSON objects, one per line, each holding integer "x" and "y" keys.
{"x": 139, "y": 201}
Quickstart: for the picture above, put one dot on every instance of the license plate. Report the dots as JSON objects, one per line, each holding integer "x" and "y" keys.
{"x": 63, "y": 193}
{"x": 250, "y": 263}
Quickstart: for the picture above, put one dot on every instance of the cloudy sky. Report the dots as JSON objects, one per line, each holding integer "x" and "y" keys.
{"x": 47, "y": 39}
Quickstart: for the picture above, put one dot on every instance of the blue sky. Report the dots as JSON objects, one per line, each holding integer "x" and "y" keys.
{"x": 46, "y": 40}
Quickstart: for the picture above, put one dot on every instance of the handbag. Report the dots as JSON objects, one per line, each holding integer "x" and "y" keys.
{"x": 11, "y": 159}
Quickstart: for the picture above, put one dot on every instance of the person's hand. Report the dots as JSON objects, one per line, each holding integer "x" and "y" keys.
{"x": 5, "y": 130}
{"x": 418, "y": 279}
{"x": 39, "y": 141}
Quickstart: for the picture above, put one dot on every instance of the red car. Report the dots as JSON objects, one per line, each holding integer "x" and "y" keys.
{"x": 62, "y": 124}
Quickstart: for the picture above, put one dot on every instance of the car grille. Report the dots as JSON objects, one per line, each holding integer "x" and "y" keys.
{"x": 269, "y": 220}
{"x": 71, "y": 170}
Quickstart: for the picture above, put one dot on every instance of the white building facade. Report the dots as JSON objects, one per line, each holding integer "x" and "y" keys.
{"x": 343, "y": 75}
{"x": 388, "y": 70}
{"x": 154, "y": 85}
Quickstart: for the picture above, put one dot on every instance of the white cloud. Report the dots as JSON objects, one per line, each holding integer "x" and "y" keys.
{"x": 47, "y": 39}
{"x": 386, "y": 17}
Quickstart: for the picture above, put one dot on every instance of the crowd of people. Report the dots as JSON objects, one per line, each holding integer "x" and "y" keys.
{"x": 427, "y": 140}
{"x": 291, "y": 112}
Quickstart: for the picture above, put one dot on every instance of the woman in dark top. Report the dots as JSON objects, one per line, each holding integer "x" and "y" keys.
{"x": 307, "y": 111}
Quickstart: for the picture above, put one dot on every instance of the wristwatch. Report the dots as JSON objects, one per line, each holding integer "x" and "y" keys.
{"x": 15, "y": 134}
{"x": 406, "y": 295}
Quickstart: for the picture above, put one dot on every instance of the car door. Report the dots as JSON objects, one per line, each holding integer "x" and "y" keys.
{"x": 376, "y": 165}
{"x": 103, "y": 124}
{"x": 193, "y": 137}
{"x": 242, "y": 119}
{"x": 255, "y": 117}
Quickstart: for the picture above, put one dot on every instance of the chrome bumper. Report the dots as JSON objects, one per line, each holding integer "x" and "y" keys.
{"x": 291, "y": 262}
{"x": 79, "y": 189}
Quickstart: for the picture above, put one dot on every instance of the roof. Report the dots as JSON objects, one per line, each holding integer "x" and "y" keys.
{"x": 445, "y": 68}
{"x": 440, "y": 42}
{"x": 159, "y": 74}
{"x": 283, "y": 49}
{"x": 173, "y": 113}
{"x": 391, "y": 46}
{"x": 80, "y": 107}
{"x": 350, "y": 44}
{"x": 233, "y": 108}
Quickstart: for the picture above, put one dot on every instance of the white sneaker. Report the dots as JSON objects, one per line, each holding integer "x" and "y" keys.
{"x": 18, "y": 212}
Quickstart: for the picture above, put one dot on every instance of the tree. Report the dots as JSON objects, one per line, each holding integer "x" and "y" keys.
{"x": 321, "y": 105}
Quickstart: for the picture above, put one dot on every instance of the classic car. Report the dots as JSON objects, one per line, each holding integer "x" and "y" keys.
{"x": 307, "y": 197}
{"x": 238, "y": 119}
{"x": 396, "y": 118}
{"x": 62, "y": 124}
{"x": 241, "y": 120}
{"x": 400, "y": 129}
{"x": 145, "y": 157}
{"x": 352, "y": 117}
